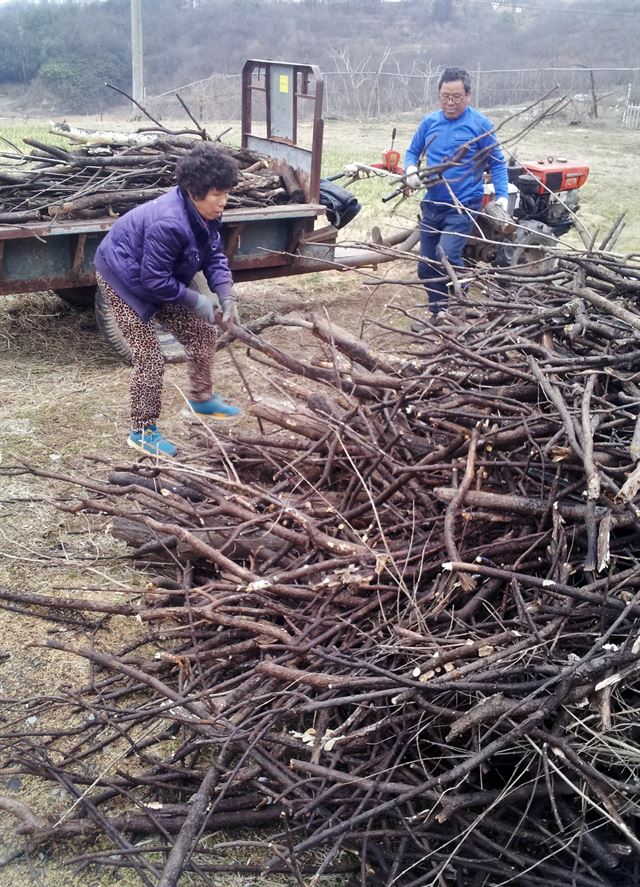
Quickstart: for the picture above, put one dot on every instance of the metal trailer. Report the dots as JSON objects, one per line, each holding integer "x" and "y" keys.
{"x": 259, "y": 243}
{"x": 262, "y": 242}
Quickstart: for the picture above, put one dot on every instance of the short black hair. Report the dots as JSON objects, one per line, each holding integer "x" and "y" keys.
{"x": 451, "y": 74}
{"x": 205, "y": 167}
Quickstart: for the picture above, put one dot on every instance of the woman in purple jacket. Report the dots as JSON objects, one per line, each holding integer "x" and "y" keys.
{"x": 144, "y": 267}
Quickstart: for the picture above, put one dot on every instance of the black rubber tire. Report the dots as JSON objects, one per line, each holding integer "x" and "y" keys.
{"x": 81, "y": 297}
{"x": 172, "y": 350}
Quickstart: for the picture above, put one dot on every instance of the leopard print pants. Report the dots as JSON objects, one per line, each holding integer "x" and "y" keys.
{"x": 196, "y": 335}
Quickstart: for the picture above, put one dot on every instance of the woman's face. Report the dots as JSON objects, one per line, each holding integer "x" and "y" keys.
{"x": 212, "y": 204}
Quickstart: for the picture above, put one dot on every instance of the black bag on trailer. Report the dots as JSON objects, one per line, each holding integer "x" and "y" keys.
{"x": 341, "y": 204}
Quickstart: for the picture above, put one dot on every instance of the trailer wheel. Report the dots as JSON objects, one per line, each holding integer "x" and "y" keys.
{"x": 81, "y": 297}
{"x": 172, "y": 350}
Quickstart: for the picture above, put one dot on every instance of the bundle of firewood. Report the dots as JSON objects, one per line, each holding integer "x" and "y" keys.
{"x": 108, "y": 173}
{"x": 397, "y": 626}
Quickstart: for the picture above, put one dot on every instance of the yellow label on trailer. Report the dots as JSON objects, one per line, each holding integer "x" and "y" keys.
{"x": 284, "y": 83}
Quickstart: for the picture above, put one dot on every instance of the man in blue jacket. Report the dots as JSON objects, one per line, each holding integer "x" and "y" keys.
{"x": 457, "y": 132}
{"x": 144, "y": 267}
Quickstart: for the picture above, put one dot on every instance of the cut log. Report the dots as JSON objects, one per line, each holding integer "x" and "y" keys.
{"x": 82, "y": 136}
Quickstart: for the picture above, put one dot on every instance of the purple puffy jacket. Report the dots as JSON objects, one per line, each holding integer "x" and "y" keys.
{"x": 151, "y": 253}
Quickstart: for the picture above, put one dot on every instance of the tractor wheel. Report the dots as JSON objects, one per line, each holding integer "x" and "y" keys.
{"x": 524, "y": 248}
{"x": 172, "y": 350}
{"x": 81, "y": 297}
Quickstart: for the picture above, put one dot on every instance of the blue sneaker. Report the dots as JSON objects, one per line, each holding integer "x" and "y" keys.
{"x": 152, "y": 442}
{"x": 215, "y": 407}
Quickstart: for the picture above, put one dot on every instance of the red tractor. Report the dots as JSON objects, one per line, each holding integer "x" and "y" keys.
{"x": 543, "y": 201}
{"x": 544, "y": 196}
{"x": 547, "y": 191}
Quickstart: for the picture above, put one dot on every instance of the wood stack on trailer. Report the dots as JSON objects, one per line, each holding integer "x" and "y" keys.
{"x": 108, "y": 173}
{"x": 53, "y": 218}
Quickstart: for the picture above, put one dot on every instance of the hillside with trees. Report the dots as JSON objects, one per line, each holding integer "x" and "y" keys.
{"x": 63, "y": 51}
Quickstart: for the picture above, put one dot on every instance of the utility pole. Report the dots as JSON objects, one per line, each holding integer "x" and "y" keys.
{"x": 137, "y": 77}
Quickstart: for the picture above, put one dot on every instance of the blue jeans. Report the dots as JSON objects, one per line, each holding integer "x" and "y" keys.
{"x": 442, "y": 225}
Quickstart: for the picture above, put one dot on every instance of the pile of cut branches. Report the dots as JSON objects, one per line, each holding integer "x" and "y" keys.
{"x": 397, "y": 626}
{"x": 108, "y": 173}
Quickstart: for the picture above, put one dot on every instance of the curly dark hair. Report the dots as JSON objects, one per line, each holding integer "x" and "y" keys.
{"x": 451, "y": 74}
{"x": 205, "y": 167}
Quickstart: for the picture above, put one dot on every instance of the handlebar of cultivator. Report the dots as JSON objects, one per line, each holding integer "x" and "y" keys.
{"x": 398, "y": 191}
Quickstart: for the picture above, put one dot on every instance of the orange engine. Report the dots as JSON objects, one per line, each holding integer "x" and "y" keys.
{"x": 547, "y": 191}
{"x": 555, "y": 174}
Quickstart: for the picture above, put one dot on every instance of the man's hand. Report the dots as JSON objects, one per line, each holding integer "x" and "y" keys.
{"x": 230, "y": 310}
{"x": 412, "y": 178}
{"x": 204, "y": 308}
{"x": 503, "y": 203}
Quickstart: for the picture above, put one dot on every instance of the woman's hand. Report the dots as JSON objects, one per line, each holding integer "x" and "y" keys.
{"x": 204, "y": 308}
{"x": 229, "y": 310}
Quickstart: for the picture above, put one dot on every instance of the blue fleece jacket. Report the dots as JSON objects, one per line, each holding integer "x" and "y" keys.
{"x": 442, "y": 138}
{"x": 151, "y": 254}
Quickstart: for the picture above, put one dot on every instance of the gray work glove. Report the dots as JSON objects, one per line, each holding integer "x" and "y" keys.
{"x": 229, "y": 309}
{"x": 412, "y": 178}
{"x": 503, "y": 203}
{"x": 204, "y": 308}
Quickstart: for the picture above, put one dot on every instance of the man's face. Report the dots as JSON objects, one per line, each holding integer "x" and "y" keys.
{"x": 212, "y": 204}
{"x": 453, "y": 99}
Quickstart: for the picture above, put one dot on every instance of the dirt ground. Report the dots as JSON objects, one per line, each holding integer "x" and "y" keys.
{"x": 65, "y": 396}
